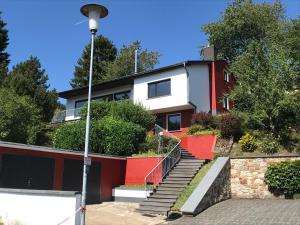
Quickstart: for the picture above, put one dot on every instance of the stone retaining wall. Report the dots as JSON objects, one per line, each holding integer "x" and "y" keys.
{"x": 248, "y": 174}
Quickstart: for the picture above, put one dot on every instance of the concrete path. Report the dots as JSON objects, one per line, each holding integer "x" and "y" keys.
{"x": 247, "y": 212}
{"x": 118, "y": 213}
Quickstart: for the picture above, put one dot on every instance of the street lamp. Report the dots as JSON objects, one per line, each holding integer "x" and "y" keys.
{"x": 94, "y": 12}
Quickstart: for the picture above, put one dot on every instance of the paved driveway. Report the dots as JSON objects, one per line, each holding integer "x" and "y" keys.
{"x": 247, "y": 212}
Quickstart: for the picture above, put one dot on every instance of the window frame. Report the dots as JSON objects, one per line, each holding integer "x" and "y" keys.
{"x": 225, "y": 78}
{"x": 155, "y": 83}
{"x": 225, "y": 103}
{"x": 167, "y": 122}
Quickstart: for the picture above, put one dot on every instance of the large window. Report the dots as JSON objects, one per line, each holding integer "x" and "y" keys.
{"x": 159, "y": 88}
{"x": 122, "y": 95}
{"x": 104, "y": 98}
{"x": 226, "y": 75}
{"x": 78, "y": 105}
{"x": 225, "y": 103}
{"x": 174, "y": 122}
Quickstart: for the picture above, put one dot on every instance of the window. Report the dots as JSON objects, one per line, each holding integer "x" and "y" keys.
{"x": 226, "y": 76}
{"x": 78, "y": 105}
{"x": 225, "y": 103}
{"x": 104, "y": 98}
{"x": 122, "y": 95}
{"x": 174, "y": 122}
{"x": 159, "y": 88}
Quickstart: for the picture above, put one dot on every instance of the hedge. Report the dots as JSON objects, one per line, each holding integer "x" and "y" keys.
{"x": 284, "y": 177}
{"x": 107, "y": 136}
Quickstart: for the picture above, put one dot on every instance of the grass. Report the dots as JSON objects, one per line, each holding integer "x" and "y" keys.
{"x": 190, "y": 188}
{"x": 146, "y": 154}
{"x": 297, "y": 196}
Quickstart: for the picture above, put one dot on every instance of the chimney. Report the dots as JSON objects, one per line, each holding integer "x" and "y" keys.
{"x": 209, "y": 53}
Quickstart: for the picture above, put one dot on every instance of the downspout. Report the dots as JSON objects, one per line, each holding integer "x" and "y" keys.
{"x": 188, "y": 87}
{"x": 213, "y": 89}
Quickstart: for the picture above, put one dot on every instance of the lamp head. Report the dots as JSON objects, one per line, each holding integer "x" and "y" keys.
{"x": 94, "y": 12}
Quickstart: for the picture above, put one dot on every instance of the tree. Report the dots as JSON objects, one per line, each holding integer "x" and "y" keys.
{"x": 243, "y": 22}
{"x": 20, "y": 119}
{"x": 4, "y": 56}
{"x": 29, "y": 79}
{"x": 124, "y": 63}
{"x": 266, "y": 88}
{"x": 104, "y": 52}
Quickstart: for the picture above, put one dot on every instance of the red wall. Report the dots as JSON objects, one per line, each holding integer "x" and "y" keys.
{"x": 138, "y": 168}
{"x": 202, "y": 147}
{"x": 112, "y": 169}
{"x": 222, "y": 87}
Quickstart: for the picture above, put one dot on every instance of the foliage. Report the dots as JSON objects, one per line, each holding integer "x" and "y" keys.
{"x": 20, "y": 119}
{"x": 108, "y": 136}
{"x": 195, "y": 128}
{"x": 29, "y": 79}
{"x": 152, "y": 141}
{"x": 230, "y": 126}
{"x": 185, "y": 194}
{"x": 269, "y": 144}
{"x": 248, "y": 143}
{"x": 125, "y": 110}
{"x": 243, "y": 22}
{"x": 284, "y": 177}
{"x": 123, "y": 65}
{"x": 266, "y": 90}
{"x": 104, "y": 52}
{"x": 202, "y": 118}
{"x": 4, "y": 56}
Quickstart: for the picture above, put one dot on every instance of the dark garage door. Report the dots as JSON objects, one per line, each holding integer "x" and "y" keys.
{"x": 72, "y": 179}
{"x": 26, "y": 172}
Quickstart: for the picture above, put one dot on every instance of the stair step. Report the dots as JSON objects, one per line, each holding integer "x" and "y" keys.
{"x": 180, "y": 175}
{"x": 151, "y": 212}
{"x": 189, "y": 164}
{"x": 164, "y": 196}
{"x": 166, "y": 185}
{"x": 160, "y": 200}
{"x": 152, "y": 203}
{"x": 168, "y": 192}
{"x": 175, "y": 182}
{"x": 169, "y": 188}
{"x": 177, "y": 178}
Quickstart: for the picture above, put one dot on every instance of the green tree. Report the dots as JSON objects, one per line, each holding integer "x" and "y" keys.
{"x": 20, "y": 119}
{"x": 29, "y": 79}
{"x": 4, "y": 56}
{"x": 123, "y": 65}
{"x": 104, "y": 52}
{"x": 242, "y": 22}
{"x": 266, "y": 88}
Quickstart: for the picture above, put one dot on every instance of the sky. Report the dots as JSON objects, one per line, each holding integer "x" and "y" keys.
{"x": 49, "y": 29}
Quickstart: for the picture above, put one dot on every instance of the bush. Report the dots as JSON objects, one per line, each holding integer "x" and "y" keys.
{"x": 248, "y": 143}
{"x": 107, "y": 136}
{"x": 124, "y": 110}
{"x": 202, "y": 118}
{"x": 230, "y": 126}
{"x": 269, "y": 144}
{"x": 151, "y": 144}
{"x": 195, "y": 128}
{"x": 284, "y": 178}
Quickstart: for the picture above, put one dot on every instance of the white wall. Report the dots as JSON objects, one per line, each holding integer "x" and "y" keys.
{"x": 36, "y": 209}
{"x": 199, "y": 86}
{"x": 178, "y": 95}
{"x": 70, "y": 106}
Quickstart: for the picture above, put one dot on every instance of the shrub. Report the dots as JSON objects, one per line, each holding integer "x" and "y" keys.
{"x": 248, "y": 143}
{"x": 269, "y": 144}
{"x": 202, "y": 118}
{"x": 195, "y": 128}
{"x": 108, "y": 136}
{"x": 230, "y": 126}
{"x": 151, "y": 144}
{"x": 124, "y": 110}
{"x": 284, "y": 177}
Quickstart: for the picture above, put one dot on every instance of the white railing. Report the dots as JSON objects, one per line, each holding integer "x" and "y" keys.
{"x": 156, "y": 175}
{"x": 61, "y": 116}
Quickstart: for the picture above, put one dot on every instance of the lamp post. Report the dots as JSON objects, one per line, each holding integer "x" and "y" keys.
{"x": 94, "y": 12}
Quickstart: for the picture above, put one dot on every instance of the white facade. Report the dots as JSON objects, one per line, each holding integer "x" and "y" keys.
{"x": 189, "y": 89}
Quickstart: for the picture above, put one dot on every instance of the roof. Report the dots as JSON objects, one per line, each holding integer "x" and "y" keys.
{"x": 54, "y": 150}
{"x": 126, "y": 80}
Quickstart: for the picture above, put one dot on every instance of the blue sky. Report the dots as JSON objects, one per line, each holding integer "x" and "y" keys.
{"x": 46, "y": 29}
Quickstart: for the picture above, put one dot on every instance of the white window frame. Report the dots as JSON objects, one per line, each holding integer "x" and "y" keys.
{"x": 226, "y": 77}
{"x": 225, "y": 103}
{"x": 167, "y": 118}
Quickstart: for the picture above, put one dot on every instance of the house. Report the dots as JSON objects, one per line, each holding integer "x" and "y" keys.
{"x": 172, "y": 92}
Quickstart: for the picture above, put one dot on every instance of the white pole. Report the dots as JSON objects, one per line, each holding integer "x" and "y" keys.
{"x": 136, "y": 61}
{"x": 87, "y": 135}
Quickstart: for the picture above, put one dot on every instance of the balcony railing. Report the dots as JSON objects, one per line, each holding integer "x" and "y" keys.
{"x": 157, "y": 174}
{"x": 65, "y": 115}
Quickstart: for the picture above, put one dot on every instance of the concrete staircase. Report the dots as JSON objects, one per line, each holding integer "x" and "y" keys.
{"x": 162, "y": 200}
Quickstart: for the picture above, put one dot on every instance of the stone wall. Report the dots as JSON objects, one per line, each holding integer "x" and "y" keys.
{"x": 248, "y": 174}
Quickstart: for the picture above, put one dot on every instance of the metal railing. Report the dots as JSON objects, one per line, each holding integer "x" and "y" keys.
{"x": 156, "y": 175}
{"x": 61, "y": 115}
